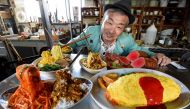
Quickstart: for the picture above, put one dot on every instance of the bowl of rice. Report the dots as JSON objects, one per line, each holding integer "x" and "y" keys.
{"x": 69, "y": 91}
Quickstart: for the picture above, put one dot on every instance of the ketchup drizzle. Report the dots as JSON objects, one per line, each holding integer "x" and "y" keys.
{"x": 153, "y": 90}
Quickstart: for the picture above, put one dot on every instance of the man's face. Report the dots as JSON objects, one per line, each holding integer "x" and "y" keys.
{"x": 112, "y": 26}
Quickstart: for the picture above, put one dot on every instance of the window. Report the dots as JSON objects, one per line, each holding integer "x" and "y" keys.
{"x": 32, "y": 10}
{"x": 59, "y": 8}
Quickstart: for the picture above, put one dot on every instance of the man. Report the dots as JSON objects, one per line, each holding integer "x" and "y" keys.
{"x": 109, "y": 37}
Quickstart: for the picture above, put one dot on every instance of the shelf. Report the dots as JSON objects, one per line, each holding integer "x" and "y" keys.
{"x": 23, "y": 22}
{"x": 149, "y": 24}
{"x": 153, "y": 16}
{"x": 164, "y": 8}
{"x": 133, "y": 25}
{"x": 64, "y": 23}
{"x": 175, "y": 7}
{"x": 136, "y": 7}
{"x": 4, "y": 5}
{"x": 89, "y": 8}
{"x": 172, "y": 25}
{"x": 137, "y": 15}
{"x": 164, "y": 17}
{"x": 90, "y": 16}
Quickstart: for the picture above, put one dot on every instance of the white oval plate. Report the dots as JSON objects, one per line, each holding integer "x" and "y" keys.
{"x": 98, "y": 94}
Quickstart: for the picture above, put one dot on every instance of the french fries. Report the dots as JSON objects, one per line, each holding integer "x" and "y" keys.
{"x": 113, "y": 76}
{"x": 101, "y": 83}
{"x": 107, "y": 79}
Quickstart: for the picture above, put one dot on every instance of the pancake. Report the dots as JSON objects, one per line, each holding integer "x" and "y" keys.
{"x": 142, "y": 89}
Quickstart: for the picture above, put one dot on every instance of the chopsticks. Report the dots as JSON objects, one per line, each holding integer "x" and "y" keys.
{"x": 70, "y": 43}
{"x": 78, "y": 54}
{"x": 88, "y": 45}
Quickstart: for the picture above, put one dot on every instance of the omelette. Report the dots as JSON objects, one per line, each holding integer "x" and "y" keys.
{"x": 142, "y": 89}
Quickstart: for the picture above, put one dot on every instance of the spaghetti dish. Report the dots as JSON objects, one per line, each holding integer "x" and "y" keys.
{"x": 32, "y": 93}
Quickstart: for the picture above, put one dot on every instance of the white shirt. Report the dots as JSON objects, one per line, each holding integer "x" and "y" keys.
{"x": 106, "y": 48}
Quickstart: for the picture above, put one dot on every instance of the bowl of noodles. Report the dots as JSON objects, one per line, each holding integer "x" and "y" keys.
{"x": 93, "y": 63}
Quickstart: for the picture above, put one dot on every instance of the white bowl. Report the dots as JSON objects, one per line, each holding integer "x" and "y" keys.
{"x": 44, "y": 75}
{"x": 92, "y": 71}
{"x": 47, "y": 74}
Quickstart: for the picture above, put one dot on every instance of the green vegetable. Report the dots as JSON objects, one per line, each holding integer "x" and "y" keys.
{"x": 50, "y": 67}
{"x": 124, "y": 74}
{"x": 116, "y": 65}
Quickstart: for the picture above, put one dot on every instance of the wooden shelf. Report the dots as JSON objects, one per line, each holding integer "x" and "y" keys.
{"x": 90, "y": 16}
{"x": 64, "y": 23}
{"x": 162, "y": 16}
{"x": 161, "y": 8}
{"x": 136, "y": 7}
{"x": 4, "y": 5}
{"x": 89, "y": 8}
{"x": 175, "y": 7}
{"x": 137, "y": 15}
{"x": 149, "y": 24}
{"x": 153, "y": 16}
{"x": 93, "y": 13}
{"x": 24, "y": 22}
{"x": 172, "y": 25}
{"x": 28, "y": 23}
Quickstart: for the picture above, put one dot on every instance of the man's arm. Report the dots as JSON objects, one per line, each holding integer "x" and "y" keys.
{"x": 82, "y": 42}
{"x": 162, "y": 59}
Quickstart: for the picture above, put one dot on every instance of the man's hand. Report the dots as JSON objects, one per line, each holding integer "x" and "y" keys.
{"x": 162, "y": 59}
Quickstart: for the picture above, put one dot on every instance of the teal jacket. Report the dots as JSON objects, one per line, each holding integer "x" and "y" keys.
{"x": 124, "y": 44}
